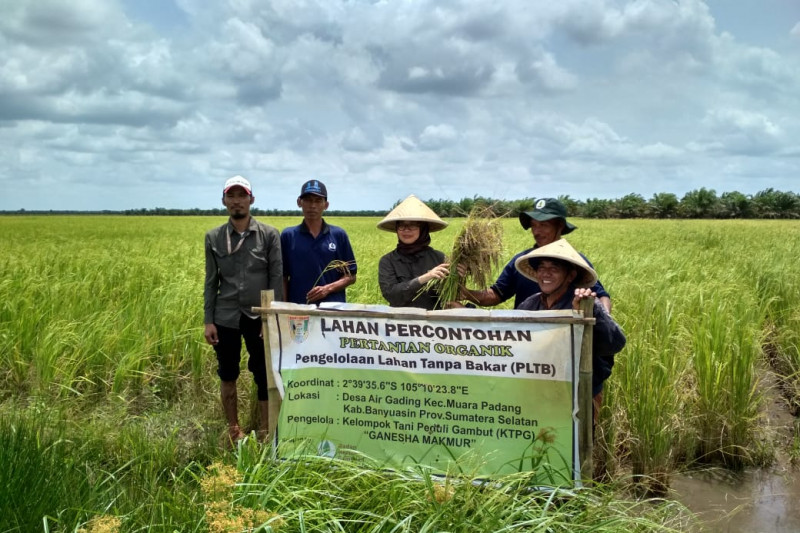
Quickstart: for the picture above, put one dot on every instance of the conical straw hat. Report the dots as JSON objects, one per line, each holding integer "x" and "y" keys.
{"x": 412, "y": 209}
{"x": 559, "y": 249}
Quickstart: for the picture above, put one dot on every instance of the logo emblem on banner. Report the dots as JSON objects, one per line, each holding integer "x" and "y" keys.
{"x": 298, "y": 326}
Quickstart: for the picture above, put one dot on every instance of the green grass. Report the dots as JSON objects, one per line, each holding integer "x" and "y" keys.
{"x": 317, "y": 494}
{"x": 141, "y": 478}
{"x": 56, "y": 476}
{"x": 103, "y": 367}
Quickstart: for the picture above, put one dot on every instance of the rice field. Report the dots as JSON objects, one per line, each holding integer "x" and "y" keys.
{"x": 103, "y": 368}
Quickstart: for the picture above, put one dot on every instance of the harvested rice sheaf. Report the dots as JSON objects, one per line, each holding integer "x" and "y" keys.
{"x": 441, "y": 493}
{"x": 478, "y": 248}
{"x": 222, "y": 515}
{"x": 102, "y": 524}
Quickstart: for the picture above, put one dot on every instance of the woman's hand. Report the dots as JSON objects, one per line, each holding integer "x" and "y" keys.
{"x": 437, "y": 272}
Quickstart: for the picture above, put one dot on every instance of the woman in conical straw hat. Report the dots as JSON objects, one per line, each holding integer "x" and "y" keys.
{"x": 404, "y": 272}
{"x": 564, "y": 278}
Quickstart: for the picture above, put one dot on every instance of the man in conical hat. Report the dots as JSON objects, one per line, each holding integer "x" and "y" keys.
{"x": 566, "y": 278}
{"x": 404, "y": 273}
{"x": 547, "y": 222}
{"x": 557, "y": 267}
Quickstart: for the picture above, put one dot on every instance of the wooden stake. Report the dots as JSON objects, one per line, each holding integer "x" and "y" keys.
{"x": 267, "y": 298}
{"x": 585, "y": 441}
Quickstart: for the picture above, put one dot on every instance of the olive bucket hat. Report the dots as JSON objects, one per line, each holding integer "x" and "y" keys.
{"x": 546, "y": 209}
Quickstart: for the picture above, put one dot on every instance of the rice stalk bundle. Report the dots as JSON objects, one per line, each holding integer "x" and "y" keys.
{"x": 477, "y": 251}
{"x": 343, "y": 267}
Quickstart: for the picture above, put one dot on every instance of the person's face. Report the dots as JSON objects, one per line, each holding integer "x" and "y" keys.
{"x": 553, "y": 276}
{"x": 237, "y": 202}
{"x": 546, "y": 232}
{"x": 408, "y": 232}
{"x": 312, "y": 206}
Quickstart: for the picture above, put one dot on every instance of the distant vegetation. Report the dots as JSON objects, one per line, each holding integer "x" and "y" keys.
{"x": 699, "y": 203}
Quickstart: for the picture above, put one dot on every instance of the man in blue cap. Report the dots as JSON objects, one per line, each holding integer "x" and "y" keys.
{"x": 548, "y": 223}
{"x": 318, "y": 261}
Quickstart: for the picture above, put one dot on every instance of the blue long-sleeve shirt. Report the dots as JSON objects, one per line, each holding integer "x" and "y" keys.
{"x": 607, "y": 337}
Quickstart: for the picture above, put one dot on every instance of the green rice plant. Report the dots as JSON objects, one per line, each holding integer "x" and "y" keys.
{"x": 132, "y": 481}
{"x": 655, "y": 429}
{"x": 646, "y": 396}
{"x": 89, "y": 321}
{"x": 725, "y": 354}
{"x": 57, "y": 476}
{"x": 97, "y": 312}
{"x": 42, "y": 475}
{"x": 319, "y": 494}
{"x": 776, "y": 283}
{"x": 786, "y": 359}
{"x": 794, "y": 447}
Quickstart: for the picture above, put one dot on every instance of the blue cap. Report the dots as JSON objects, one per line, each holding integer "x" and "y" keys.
{"x": 315, "y": 187}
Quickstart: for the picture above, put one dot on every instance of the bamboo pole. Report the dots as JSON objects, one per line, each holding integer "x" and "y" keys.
{"x": 562, "y": 317}
{"x": 267, "y": 298}
{"x": 585, "y": 441}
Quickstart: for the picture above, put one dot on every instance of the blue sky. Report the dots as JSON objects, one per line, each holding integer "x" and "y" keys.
{"x": 154, "y": 103}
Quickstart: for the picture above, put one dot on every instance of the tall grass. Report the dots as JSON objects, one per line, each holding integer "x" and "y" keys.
{"x": 99, "y": 311}
{"x": 41, "y": 477}
{"x": 57, "y": 477}
{"x": 316, "y": 494}
{"x": 695, "y": 299}
{"x": 99, "y": 305}
{"x": 725, "y": 354}
{"x": 93, "y": 483}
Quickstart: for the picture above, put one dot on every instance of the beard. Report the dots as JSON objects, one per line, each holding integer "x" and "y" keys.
{"x": 238, "y": 215}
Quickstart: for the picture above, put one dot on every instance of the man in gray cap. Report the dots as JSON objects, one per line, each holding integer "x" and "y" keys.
{"x": 243, "y": 257}
{"x": 548, "y": 223}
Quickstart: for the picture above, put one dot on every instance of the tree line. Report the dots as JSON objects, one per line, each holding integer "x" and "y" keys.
{"x": 699, "y": 203}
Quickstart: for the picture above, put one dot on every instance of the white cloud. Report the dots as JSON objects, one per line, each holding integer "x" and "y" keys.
{"x": 357, "y": 140}
{"x": 582, "y": 97}
{"x": 543, "y": 73}
{"x": 741, "y": 132}
{"x": 51, "y": 24}
{"x": 591, "y": 22}
{"x": 437, "y": 137}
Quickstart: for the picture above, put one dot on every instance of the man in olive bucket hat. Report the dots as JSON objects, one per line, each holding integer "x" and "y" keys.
{"x": 565, "y": 277}
{"x": 548, "y": 223}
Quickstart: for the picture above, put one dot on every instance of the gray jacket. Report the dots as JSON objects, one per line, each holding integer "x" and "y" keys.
{"x": 237, "y": 273}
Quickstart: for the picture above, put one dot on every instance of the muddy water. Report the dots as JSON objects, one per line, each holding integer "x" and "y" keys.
{"x": 757, "y": 501}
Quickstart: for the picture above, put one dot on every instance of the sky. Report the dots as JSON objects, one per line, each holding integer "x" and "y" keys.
{"x": 127, "y": 104}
